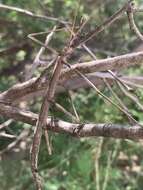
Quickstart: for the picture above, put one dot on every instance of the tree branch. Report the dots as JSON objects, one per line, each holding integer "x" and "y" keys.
{"x": 76, "y": 130}
{"x": 131, "y": 20}
{"x": 115, "y": 63}
{"x": 30, "y": 89}
{"x": 30, "y": 14}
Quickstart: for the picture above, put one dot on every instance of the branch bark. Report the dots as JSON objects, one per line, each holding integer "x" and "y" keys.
{"x": 69, "y": 79}
{"x": 116, "y": 63}
{"x": 76, "y": 130}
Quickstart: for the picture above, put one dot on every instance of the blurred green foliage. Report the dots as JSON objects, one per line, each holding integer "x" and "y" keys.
{"x": 76, "y": 164}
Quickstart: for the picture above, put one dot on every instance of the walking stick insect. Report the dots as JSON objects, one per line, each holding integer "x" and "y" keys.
{"x": 76, "y": 39}
{"x": 61, "y": 58}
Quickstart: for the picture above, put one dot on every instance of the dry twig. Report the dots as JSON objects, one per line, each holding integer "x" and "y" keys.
{"x": 36, "y": 61}
{"x": 130, "y": 13}
{"x": 31, "y": 14}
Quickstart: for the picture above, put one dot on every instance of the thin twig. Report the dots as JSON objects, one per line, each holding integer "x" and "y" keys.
{"x": 62, "y": 109}
{"x": 97, "y": 158}
{"x": 105, "y": 24}
{"x": 107, "y": 171}
{"x": 33, "y": 38}
{"x": 5, "y": 135}
{"x": 31, "y": 14}
{"x": 36, "y": 61}
{"x": 48, "y": 142}
{"x": 118, "y": 79}
{"x": 22, "y": 136}
{"x": 105, "y": 97}
{"x": 122, "y": 105}
{"x": 5, "y": 124}
{"x": 131, "y": 96}
{"x": 73, "y": 106}
{"x": 132, "y": 24}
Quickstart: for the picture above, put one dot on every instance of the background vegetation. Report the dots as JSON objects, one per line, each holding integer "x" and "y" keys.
{"x": 76, "y": 164}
